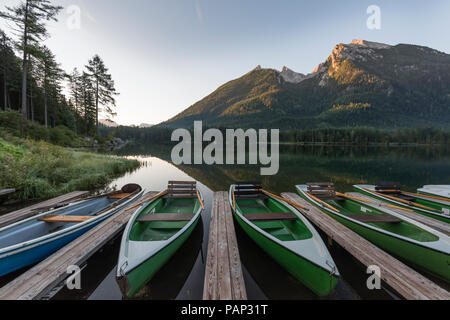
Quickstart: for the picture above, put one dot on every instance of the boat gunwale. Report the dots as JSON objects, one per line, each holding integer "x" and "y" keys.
{"x": 359, "y": 187}
{"x": 314, "y": 237}
{"x": 164, "y": 243}
{"x": 440, "y": 235}
{"x": 30, "y": 244}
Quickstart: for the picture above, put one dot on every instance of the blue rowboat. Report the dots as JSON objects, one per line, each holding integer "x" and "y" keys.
{"x": 34, "y": 239}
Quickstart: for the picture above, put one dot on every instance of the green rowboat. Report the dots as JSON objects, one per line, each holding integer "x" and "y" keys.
{"x": 155, "y": 233}
{"x": 286, "y": 235}
{"x": 439, "y": 191}
{"x": 406, "y": 238}
{"x": 433, "y": 208}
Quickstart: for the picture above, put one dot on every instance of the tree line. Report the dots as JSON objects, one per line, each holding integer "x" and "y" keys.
{"x": 355, "y": 136}
{"x": 33, "y": 81}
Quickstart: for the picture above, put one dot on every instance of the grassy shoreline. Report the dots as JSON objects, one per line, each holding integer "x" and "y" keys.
{"x": 39, "y": 170}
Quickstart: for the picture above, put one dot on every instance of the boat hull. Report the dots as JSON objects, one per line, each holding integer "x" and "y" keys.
{"x": 38, "y": 253}
{"x": 137, "y": 278}
{"x": 426, "y": 259}
{"x": 312, "y": 276}
{"x": 34, "y": 250}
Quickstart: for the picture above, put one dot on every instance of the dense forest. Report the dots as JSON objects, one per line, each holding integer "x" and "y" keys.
{"x": 33, "y": 83}
{"x": 357, "y": 136}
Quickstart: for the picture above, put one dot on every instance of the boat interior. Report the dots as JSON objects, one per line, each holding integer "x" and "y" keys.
{"x": 64, "y": 218}
{"x": 268, "y": 214}
{"x": 325, "y": 192}
{"x": 392, "y": 189}
{"x": 163, "y": 217}
{"x": 37, "y": 228}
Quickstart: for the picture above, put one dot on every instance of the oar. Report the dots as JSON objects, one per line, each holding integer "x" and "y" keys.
{"x": 426, "y": 196}
{"x": 369, "y": 201}
{"x": 284, "y": 199}
{"x": 352, "y": 197}
{"x": 200, "y": 199}
{"x": 402, "y": 201}
{"x": 148, "y": 199}
{"x": 321, "y": 201}
{"x": 234, "y": 201}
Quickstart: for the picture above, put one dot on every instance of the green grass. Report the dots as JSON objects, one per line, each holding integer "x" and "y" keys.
{"x": 39, "y": 170}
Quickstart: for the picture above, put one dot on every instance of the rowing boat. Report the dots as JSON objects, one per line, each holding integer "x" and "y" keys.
{"x": 32, "y": 240}
{"x": 403, "y": 237}
{"x": 429, "y": 206}
{"x": 155, "y": 232}
{"x": 286, "y": 235}
{"x": 442, "y": 191}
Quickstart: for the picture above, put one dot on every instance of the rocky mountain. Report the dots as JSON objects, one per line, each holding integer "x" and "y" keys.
{"x": 360, "y": 84}
{"x": 108, "y": 123}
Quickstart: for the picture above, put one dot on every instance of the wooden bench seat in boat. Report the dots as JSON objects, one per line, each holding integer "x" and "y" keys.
{"x": 367, "y": 218}
{"x": 65, "y": 219}
{"x": 166, "y": 217}
{"x": 270, "y": 216}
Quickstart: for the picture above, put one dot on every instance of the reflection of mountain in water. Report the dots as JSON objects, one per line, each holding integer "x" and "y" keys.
{"x": 412, "y": 166}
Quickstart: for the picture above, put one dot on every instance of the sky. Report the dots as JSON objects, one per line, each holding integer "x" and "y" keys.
{"x": 165, "y": 55}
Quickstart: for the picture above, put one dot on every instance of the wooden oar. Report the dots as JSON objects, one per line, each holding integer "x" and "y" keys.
{"x": 402, "y": 201}
{"x": 148, "y": 199}
{"x": 369, "y": 201}
{"x": 200, "y": 199}
{"x": 426, "y": 196}
{"x": 352, "y": 197}
{"x": 284, "y": 199}
{"x": 321, "y": 201}
{"x": 234, "y": 201}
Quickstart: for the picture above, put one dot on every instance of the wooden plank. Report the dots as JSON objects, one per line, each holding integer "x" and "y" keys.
{"x": 407, "y": 282}
{"x": 433, "y": 223}
{"x": 34, "y": 209}
{"x": 66, "y": 219}
{"x": 210, "y": 284}
{"x": 166, "y": 217}
{"x": 39, "y": 280}
{"x": 223, "y": 276}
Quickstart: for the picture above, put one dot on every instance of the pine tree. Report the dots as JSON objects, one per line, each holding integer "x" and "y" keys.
{"x": 29, "y": 18}
{"x": 50, "y": 75}
{"x": 104, "y": 87}
{"x": 6, "y": 63}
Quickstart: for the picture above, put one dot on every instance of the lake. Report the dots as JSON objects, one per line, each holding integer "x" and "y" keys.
{"x": 182, "y": 277}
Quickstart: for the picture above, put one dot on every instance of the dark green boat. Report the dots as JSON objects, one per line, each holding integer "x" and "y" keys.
{"x": 406, "y": 238}
{"x": 435, "y": 208}
{"x": 286, "y": 235}
{"x": 155, "y": 233}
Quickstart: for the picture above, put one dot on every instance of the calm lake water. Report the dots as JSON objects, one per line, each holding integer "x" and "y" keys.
{"x": 182, "y": 277}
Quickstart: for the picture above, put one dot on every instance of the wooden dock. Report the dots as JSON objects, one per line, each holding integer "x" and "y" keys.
{"x": 408, "y": 283}
{"x": 223, "y": 276}
{"x": 433, "y": 223}
{"x": 35, "y": 209}
{"x": 43, "y": 277}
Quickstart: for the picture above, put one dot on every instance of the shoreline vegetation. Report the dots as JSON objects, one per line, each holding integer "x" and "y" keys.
{"x": 39, "y": 170}
{"x": 42, "y": 162}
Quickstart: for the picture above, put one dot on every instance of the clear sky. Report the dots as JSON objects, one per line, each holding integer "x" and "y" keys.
{"x": 165, "y": 55}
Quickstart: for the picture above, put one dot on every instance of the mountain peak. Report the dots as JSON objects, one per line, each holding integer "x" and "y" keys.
{"x": 370, "y": 44}
{"x": 291, "y": 76}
